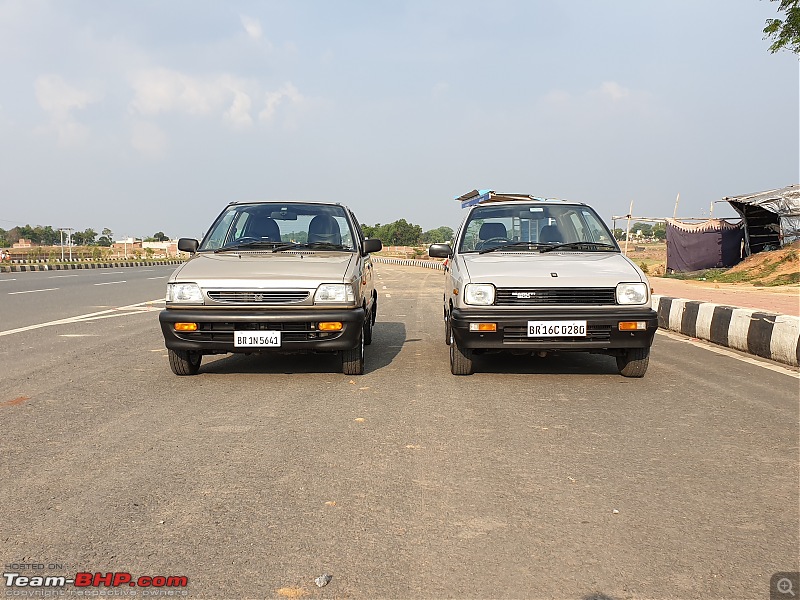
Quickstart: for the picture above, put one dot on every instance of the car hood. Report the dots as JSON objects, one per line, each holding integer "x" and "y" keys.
{"x": 260, "y": 269}
{"x": 551, "y": 269}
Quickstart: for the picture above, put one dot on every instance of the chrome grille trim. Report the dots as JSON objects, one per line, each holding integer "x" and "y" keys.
{"x": 258, "y": 296}
{"x": 555, "y": 296}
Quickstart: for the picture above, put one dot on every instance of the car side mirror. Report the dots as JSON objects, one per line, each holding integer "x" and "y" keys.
{"x": 188, "y": 245}
{"x": 372, "y": 245}
{"x": 440, "y": 251}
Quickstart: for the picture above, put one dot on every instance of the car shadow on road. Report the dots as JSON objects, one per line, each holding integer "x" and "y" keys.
{"x": 565, "y": 363}
{"x": 387, "y": 340}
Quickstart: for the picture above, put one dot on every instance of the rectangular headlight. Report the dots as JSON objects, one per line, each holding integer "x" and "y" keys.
{"x": 631, "y": 293}
{"x": 334, "y": 293}
{"x": 184, "y": 293}
{"x": 479, "y": 294}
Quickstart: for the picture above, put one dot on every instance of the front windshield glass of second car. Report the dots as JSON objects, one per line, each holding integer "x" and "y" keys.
{"x": 272, "y": 226}
{"x": 525, "y": 227}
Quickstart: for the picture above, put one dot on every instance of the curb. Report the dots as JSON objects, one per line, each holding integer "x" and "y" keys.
{"x": 765, "y": 334}
{"x": 83, "y": 265}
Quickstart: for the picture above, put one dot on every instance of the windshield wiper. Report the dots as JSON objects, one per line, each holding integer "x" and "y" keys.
{"x": 311, "y": 245}
{"x": 579, "y": 245}
{"x": 248, "y": 244}
{"x": 528, "y": 245}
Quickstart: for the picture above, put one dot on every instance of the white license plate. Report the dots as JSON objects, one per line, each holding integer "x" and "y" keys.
{"x": 260, "y": 339}
{"x": 556, "y": 329}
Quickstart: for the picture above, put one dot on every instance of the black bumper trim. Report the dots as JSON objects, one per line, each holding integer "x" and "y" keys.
{"x": 215, "y": 332}
{"x": 602, "y": 329}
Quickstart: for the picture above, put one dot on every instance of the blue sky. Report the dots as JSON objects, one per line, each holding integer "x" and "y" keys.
{"x": 150, "y": 116}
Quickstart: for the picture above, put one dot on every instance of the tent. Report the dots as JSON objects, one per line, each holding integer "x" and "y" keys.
{"x": 712, "y": 244}
{"x": 771, "y": 219}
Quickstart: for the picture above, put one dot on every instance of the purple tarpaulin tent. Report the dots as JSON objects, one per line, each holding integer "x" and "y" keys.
{"x": 712, "y": 244}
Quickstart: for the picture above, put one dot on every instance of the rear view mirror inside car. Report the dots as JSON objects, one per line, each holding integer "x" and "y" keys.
{"x": 283, "y": 215}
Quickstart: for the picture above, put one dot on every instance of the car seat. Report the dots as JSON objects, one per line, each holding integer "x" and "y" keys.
{"x": 264, "y": 228}
{"x": 324, "y": 228}
{"x": 492, "y": 230}
{"x": 551, "y": 234}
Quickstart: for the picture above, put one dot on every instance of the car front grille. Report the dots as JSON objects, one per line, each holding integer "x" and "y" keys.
{"x": 594, "y": 333}
{"x": 555, "y": 296}
{"x": 223, "y": 332}
{"x": 258, "y": 296}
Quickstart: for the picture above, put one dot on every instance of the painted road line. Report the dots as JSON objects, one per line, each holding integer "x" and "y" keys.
{"x": 162, "y": 277}
{"x": 765, "y": 363}
{"x": 12, "y": 279}
{"x": 32, "y": 291}
{"x": 112, "y": 273}
{"x": 88, "y": 316}
{"x": 57, "y": 276}
{"x": 109, "y": 283}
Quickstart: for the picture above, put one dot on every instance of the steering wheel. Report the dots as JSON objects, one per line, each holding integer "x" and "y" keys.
{"x": 495, "y": 241}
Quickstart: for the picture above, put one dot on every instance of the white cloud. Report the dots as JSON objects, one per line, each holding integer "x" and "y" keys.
{"x": 613, "y": 90}
{"x": 239, "y": 112}
{"x": 59, "y": 99}
{"x": 252, "y": 27}
{"x": 163, "y": 90}
{"x": 273, "y": 99}
{"x": 148, "y": 139}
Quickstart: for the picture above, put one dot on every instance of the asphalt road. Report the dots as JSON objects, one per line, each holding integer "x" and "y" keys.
{"x": 262, "y": 473}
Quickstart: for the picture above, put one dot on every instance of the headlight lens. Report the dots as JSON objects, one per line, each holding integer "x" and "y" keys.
{"x": 481, "y": 294}
{"x": 334, "y": 292}
{"x": 184, "y": 293}
{"x": 631, "y": 293}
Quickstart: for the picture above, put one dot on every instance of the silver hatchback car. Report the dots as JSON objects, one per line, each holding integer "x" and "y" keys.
{"x": 273, "y": 277}
{"x": 531, "y": 275}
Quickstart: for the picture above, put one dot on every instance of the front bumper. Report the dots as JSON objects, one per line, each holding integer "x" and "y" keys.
{"x": 602, "y": 328}
{"x": 298, "y": 329}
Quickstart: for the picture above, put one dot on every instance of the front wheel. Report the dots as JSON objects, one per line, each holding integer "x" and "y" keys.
{"x": 633, "y": 363}
{"x": 353, "y": 359}
{"x": 461, "y": 361}
{"x": 184, "y": 362}
{"x": 368, "y": 330}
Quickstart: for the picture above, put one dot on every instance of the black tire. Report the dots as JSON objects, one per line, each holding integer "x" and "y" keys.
{"x": 184, "y": 362}
{"x": 368, "y": 330}
{"x": 353, "y": 359}
{"x": 461, "y": 362}
{"x": 634, "y": 362}
{"x": 448, "y": 330}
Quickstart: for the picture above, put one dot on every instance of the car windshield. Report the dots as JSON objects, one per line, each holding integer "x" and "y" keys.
{"x": 535, "y": 227}
{"x": 277, "y": 227}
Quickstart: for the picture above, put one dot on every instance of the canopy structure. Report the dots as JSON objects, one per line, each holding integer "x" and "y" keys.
{"x": 715, "y": 243}
{"x": 481, "y": 196}
{"x": 771, "y": 219}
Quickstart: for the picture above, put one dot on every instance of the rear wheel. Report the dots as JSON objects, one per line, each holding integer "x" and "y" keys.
{"x": 633, "y": 363}
{"x": 353, "y": 359}
{"x": 368, "y": 330}
{"x": 461, "y": 362}
{"x": 184, "y": 362}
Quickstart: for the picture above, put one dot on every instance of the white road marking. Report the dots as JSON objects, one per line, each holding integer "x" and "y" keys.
{"x": 138, "y": 308}
{"x": 763, "y": 362}
{"x": 109, "y": 283}
{"x": 78, "y": 335}
{"x": 57, "y": 276}
{"x": 162, "y": 277}
{"x": 32, "y": 291}
{"x": 111, "y": 273}
{"x": 12, "y": 279}
{"x": 143, "y": 270}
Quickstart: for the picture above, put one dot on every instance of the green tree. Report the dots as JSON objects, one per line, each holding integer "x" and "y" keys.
{"x": 160, "y": 237}
{"x": 645, "y": 228}
{"x": 785, "y": 33}
{"x": 439, "y": 235}
{"x": 660, "y": 231}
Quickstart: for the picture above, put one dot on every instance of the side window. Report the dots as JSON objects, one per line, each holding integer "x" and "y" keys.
{"x": 357, "y": 225}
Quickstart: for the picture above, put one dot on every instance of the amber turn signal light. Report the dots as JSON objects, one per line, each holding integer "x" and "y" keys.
{"x": 185, "y": 326}
{"x": 632, "y": 325}
{"x": 330, "y": 326}
{"x": 483, "y": 326}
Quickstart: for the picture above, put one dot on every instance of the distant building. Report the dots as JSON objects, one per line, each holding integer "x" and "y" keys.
{"x": 161, "y": 249}
{"x": 126, "y": 247}
{"x": 23, "y": 243}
